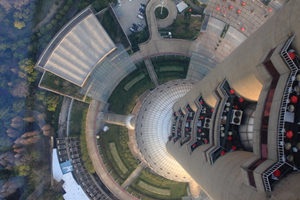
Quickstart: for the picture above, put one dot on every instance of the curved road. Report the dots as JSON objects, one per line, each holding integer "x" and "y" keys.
{"x": 92, "y": 121}
{"x": 156, "y": 45}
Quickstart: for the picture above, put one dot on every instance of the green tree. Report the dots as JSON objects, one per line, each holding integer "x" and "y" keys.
{"x": 18, "y": 106}
{"x": 52, "y": 101}
{"x": 24, "y": 170}
{"x": 27, "y": 65}
{"x": 5, "y": 143}
{"x": 3, "y": 46}
{"x": 5, "y": 174}
{"x": 19, "y": 24}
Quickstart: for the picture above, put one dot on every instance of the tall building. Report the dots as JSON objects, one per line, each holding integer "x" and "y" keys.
{"x": 236, "y": 132}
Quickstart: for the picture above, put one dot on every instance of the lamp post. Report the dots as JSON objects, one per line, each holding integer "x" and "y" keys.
{"x": 162, "y": 6}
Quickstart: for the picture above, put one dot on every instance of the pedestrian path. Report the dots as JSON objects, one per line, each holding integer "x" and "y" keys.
{"x": 133, "y": 176}
{"x": 151, "y": 71}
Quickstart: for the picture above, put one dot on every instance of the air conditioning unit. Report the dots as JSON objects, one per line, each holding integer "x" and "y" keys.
{"x": 236, "y": 117}
{"x": 206, "y": 122}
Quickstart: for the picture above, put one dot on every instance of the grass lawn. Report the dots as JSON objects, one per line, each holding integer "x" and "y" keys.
{"x": 77, "y": 129}
{"x": 77, "y": 118}
{"x": 60, "y": 85}
{"x": 116, "y": 157}
{"x": 134, "y": 81}
{"x": 83, "y": 147}
{"x": 152, "y": 186}
{"x": 124, "y": 96}
{"x": 169, "y": 68}
{"x": 161, "y": 14}
{"x": 185, "y": 27}
{"x": 119, "y": 136}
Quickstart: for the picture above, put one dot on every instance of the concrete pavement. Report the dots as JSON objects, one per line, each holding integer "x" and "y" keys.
{"x": 133, "y": 175}
{"x": 172, "y": 9}
{"x": 92, "y": 124}
{"x": 151, "y": 71}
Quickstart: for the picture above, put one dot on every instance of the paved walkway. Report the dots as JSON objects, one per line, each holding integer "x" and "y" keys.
{"x": 251, "y": 18}
{"x": 172, "y": 9}
{"x": 69, "y": 116}
{"x": 156, "y": 45}
{"x": 133, "y": 175}
{"x": 63, "y": 115}
{"x": 151, "y": 71}
{"x": 92, "y": 125}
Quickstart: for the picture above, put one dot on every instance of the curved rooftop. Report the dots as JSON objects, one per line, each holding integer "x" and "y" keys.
{"x": 77, "y": 48}
{"x": 153, "y": 125}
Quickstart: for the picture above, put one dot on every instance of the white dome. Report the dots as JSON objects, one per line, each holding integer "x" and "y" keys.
{"x": 153, "y": 125}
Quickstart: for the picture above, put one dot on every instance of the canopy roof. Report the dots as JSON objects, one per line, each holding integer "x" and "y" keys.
{"x": 77, "y": 48}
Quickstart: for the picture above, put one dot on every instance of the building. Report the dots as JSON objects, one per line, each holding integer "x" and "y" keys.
{"x": 234, "y": 134}
{"x": 244, "y": 140}
{"x": 83, "y": 59}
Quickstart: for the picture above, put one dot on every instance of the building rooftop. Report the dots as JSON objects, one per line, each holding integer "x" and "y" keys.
{"x": 77, "y": 48}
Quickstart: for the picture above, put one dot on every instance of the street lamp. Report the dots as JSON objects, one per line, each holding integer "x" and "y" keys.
{"x": 162, "y": 6}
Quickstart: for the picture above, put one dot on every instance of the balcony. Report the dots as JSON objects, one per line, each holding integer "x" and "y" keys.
{"x": 288, "y": 138}
{"x": 202, "y": 124}
{"x": 173, "y": 127}
{"x": 188, "y": 120}
{"x": 233, "y": 113}
{"x": 178, "y": 127}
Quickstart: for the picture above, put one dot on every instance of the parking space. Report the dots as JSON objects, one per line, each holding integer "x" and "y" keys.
{"x": 127, "y": 12}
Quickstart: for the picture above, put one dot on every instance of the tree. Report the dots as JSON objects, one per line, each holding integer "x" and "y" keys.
{"x": 5, "y": 174}
{"x": 24, "y": 170}
{"x": 52, "y": 101}
{"x": 19, "y": 24}
{"x": 3, "y": 46}
{"x": 27, "y": 65}
{"x": 18, "y": 106}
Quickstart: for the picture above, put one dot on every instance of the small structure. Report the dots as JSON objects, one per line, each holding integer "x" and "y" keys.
{"x": 77, "y": 48}
{"x": 181, "y": 6}
{"x": 71, "y": 187}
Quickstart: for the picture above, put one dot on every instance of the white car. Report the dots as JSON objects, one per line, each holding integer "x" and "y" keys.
{"x": 140, "y": 16}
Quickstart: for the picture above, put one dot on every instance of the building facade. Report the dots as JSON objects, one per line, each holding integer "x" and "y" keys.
{"x": 239, "y": 135}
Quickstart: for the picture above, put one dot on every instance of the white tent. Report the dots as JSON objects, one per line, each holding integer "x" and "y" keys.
{"x": 181, "y": 6}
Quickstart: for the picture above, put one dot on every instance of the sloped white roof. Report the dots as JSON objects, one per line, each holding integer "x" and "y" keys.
{"x": 153, "y": 126}
{"x": 72, "y": 189}
{"x": 77, "y": 48}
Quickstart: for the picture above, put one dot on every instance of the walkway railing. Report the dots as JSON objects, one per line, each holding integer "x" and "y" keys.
{"x": 217, "y": 149}
{"x": 283, "y": 107}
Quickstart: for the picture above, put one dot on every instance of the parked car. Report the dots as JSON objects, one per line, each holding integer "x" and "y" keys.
{"x": 140, "y": 16}
{"x": 135, "y": 26}
{"x": 142, "y": 10}
{"x": 132, "y": 30}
